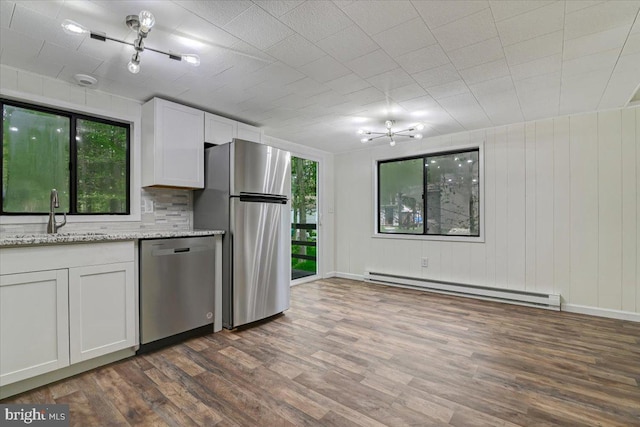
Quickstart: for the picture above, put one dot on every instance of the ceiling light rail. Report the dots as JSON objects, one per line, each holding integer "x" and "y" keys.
{"x": 142, "y": 24}
{"x": 391, "y": 134}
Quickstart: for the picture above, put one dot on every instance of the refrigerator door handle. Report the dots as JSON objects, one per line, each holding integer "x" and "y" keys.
{"x": 263, "y": 198}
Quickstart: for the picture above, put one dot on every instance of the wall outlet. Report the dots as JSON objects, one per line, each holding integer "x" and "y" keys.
{"x": 425, "y": 262}
{"x": 148, "y": 206}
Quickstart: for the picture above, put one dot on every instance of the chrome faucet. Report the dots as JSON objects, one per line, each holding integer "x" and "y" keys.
{"x": 54, "y": 202}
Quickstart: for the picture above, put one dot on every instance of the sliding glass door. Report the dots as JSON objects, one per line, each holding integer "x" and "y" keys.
{"x": 304, "y": 217}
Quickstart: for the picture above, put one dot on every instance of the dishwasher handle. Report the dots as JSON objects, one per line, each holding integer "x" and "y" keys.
{"x": 182, "y": 250}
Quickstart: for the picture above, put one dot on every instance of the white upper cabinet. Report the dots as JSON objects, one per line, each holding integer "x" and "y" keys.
{"x": 249, "y": 133}
{"x": 220, "y": 130}
{"x": 172, "y": 145}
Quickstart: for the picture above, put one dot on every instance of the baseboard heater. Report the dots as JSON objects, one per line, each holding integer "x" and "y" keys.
{"x": 531, "y": 299}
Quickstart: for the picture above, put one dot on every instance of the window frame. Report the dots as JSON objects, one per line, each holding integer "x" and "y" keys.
{"x": 73, "y": 153}
{"x": 423, "y": 154}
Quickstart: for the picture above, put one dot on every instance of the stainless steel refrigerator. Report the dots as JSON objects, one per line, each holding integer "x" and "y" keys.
{"x": 246, "y": 194}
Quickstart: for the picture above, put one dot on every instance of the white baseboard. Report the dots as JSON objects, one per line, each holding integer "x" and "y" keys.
{"x": 329, "y": 275}
{"x": 349, "y": 276}
{"x": 601, "y": 312}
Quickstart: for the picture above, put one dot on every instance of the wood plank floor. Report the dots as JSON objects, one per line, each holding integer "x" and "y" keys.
{"x": 348, "y": 353}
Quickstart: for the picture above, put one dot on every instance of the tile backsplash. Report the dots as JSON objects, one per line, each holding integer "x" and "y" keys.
{"x": 161, "y": 209}
{"x": 166, "y": 208}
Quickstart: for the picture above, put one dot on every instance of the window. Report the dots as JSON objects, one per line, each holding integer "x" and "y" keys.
{"x": 436, "y": 194}
{"x": 85, "y": 158}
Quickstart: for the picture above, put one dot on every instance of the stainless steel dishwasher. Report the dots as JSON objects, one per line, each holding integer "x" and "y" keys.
{"x": 176, "y": 290}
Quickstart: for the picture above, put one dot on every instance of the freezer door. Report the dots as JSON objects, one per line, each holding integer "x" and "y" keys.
{"x": 261, "y": 250}
{"x": 259, "y": 169}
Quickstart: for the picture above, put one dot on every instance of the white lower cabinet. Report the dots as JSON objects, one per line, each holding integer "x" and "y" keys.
{"x": 101, "y": 310}
{"x": 34, "y": 324}
{"x": 64, "y": 304}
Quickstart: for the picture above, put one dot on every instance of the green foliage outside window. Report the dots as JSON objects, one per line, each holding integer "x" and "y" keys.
{"x": 35, "y": 159}
{"x": 89, "y": 171}
{"x": 102, "y": 167}
{"x": 304, "y": 210}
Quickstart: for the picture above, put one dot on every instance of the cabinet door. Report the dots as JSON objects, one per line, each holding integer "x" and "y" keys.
{"x": 34, "y": 324}
{"x": 176, "y": 139}
{"x": 182, "y": 145}
{"x": 101, "y": 310}
{"x": 219, "y": 130}
{"x": 249, "y": 133}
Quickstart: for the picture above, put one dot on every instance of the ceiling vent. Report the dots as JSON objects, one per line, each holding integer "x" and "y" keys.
{"x": 85, "y": 80}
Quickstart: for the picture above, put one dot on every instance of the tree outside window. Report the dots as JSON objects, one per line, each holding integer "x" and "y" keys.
{"x": 85, "y": 158}
{"x": 435, "y": 194}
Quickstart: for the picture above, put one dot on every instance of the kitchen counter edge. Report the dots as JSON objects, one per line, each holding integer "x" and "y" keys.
{"x": 79, "y": 237}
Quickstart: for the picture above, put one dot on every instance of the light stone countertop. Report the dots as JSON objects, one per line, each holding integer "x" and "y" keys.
{"x": 92, "y": 237}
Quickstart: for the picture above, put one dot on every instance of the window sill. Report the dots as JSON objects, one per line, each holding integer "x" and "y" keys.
{"x": 465, "y": 239}
{"x": 43, "y": 219}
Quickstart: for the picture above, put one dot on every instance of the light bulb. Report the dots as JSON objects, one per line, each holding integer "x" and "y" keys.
{"x": 73, "y": 28}
{"x": 147, "y": 21}
{"x": 363, "y": 140}
{"x": 419, "y": 126}
{"x": 392, "y": 143}
{"x": 418, "y": 136}
{"x": 360, "y": 131}
{"x": 191, "y": 59}
{"x": 133, "y": 66}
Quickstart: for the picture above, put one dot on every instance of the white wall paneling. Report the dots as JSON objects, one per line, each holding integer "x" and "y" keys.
{"x": 543, "y": 244}
{"x": 561, "y": 204}
{"x": 501, "y": 209}
{"x": 490, "y": 207}
{"x": 629, "y": 210}
{"x": 561, "y": 208}
{"x": 584, "y": 209}
{"x": 515, "y": 207}
{"x": 342, "y": 203}
{"x": 530, "y": 205}
{"x": 637, "y": 211}
{"x": 609, "y": 210}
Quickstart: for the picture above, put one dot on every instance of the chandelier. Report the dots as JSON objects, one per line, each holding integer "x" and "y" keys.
{"x": 141, "y": 24}
{"x": 391, "y": 134}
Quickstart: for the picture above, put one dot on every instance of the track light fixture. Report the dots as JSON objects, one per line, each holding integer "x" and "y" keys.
{"x": 142, "y": 24}
{"x": 391, "y": 134}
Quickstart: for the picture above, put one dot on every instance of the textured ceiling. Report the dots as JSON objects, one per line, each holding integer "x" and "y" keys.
{"x": 313, "y": 72}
